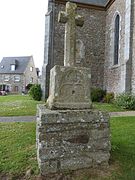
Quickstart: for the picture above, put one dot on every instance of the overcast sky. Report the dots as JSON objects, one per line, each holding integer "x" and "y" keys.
{"x": 22, "y": 27}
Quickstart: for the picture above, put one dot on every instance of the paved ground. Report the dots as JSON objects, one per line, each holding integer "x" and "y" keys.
{"x": 33, "y": 118}
{"x": 18, "y": 119}
{"x": 126, "y": 113}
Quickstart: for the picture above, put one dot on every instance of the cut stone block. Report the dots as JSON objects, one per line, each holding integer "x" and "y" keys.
{"x": 72, "y": 139}
{"x": 69, "y": 88}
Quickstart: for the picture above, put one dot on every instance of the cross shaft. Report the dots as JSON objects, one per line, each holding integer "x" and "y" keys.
{"x": 71, "y": 19}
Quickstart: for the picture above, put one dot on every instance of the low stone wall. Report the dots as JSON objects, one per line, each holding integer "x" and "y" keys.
{"x": 72, "y": 139}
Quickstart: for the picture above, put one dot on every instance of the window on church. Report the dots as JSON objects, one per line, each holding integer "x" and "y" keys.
{"x": 116, "y": 40}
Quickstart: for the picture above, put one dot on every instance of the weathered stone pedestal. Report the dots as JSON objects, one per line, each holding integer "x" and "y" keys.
{"x": 69, "y": 88}
{"x": 72, "y": 139}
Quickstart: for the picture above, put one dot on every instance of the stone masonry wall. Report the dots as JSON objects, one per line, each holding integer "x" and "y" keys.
{"x": 72, "y": 139}
{"x": 11, "y": 82}
{"x": 91, "y": 40}
{"x": 115, "y": 75}
{"x": 133, "y": 45}
{"x": 30, "y": 74}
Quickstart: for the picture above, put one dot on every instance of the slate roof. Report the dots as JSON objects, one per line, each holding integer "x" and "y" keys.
{"x": 20, "y": 62}
{"x": 92, "y": 2}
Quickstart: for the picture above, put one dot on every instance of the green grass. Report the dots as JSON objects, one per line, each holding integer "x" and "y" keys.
{"x": 107, "y": 107}
{"x": 17, "y": 148}
{"x": 17, "y": 105}
{"x": 18, "y": 152}
{"x": 123, "y": 146}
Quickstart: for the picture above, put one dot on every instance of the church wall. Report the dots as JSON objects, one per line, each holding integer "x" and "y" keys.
{"x": 115, "y": 75}
{"x": 133, "y": 46}
{"x": 91, "y": 41}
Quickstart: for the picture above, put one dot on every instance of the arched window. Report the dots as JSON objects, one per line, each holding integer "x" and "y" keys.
{"x": 116, "y": 40}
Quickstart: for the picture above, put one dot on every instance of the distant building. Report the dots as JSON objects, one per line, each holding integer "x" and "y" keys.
{"x": 16, "y": 73}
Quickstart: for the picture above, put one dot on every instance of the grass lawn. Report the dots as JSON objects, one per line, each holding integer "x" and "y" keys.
{"x": 17, "y": 105}
{"x": 17, "y": 148}
{"x": 123, "y": 146}
{"x": 107, "y": 107}
{"x": 18, "y": 152}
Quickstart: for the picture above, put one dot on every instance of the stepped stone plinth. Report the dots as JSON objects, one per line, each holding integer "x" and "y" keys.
{"x": 72, "y": 139}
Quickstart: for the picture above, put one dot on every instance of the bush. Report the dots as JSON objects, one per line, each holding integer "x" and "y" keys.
{"x": 35, "y": 92}
{"x": 126, "y": 101}
{"x": 97, "y": 94}
{"x": 109, "y": 97}
{"x": 29, "y": 86}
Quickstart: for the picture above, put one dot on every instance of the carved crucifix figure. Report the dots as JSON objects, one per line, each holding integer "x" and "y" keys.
{"x": 72, "y": 20}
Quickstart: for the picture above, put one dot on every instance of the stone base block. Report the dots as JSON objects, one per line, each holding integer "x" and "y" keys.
{"x": 69, "y": 88}
{"x": 72, "y": 139}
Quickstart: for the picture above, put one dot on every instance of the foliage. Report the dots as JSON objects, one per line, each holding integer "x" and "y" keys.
{"x": 0, "y": 87}
{"x": 29, "y": 86}
{"x": 17, "y": 105}
{"x": 126, "y": 101}
{"x": 36, "y": 92}
{"x": 97, "y": 94}
{"x": 109, "y": 97}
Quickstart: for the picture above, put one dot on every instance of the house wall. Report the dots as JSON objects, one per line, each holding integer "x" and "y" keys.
{"x": 133, "y": 45}
{"x": 117, "y": 78}
{"x": 30, "y": 74}
{"x": 11, "y": 82}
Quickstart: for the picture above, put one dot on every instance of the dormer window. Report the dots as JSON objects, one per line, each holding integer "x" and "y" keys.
{"x": 31, "y": 68}
{"x": 2, "y": 67}
{"x": 12, "y": 67}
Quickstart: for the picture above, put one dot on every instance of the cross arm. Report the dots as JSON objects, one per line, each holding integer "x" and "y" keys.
{"x": 62, "y": 17}
{"x": 79, "y": 20}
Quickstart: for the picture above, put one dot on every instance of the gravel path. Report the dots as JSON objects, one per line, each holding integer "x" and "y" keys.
{"x": 18, "y": 119}
{"x": 33, "y": 118}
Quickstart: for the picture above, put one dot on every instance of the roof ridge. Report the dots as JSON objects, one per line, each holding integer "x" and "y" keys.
{"x": 16, "y": 56}
{"x": 102, "y": 3}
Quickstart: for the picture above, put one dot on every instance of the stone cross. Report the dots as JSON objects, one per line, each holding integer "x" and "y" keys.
{"x": 72, "y": 20}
